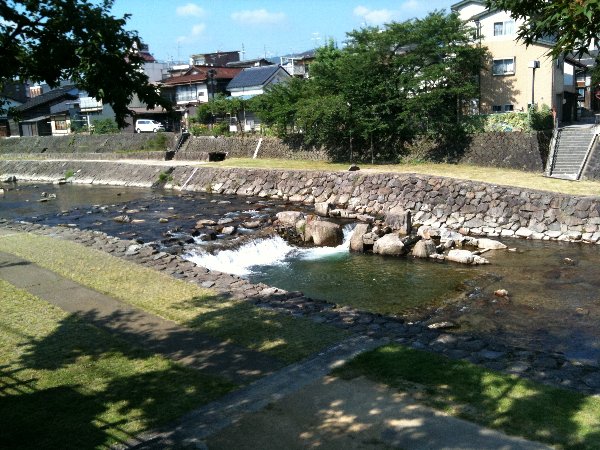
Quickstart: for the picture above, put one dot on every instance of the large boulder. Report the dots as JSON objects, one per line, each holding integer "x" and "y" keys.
{"x": 399, "y": 219}
{"x": 356, "y": 242}
{"x": 289, "y": 218}
{"x": 324, "y": 233}
{"x": 424, "y": 249}
{"x": 390, "y": 244}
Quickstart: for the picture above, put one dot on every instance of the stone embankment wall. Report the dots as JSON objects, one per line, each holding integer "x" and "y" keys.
{"x": 516, "y": 150}
{"x": 236, "y": 147}
{"x": 81, "y": 144}
{"x": 85, "y": 172}
{"x": 525, "y": 151}
{"x": 471, "y": 207}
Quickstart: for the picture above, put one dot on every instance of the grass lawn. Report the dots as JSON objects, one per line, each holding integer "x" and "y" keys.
{"x": 67, "y": 384}
{"x": 509, "y": 177}
{"x": 281, "y": 336}
{"x": 564, "y": 418}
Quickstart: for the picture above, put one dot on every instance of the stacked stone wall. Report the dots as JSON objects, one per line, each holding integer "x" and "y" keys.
{"x": 81, "y": 144}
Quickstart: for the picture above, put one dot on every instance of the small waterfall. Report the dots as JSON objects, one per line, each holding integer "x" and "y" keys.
{"x": 263, "y": 252}
{"x": 260, "y": 252}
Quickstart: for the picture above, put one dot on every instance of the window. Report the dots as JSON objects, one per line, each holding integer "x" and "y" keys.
{"x": 497, "y": 108}
{"x": 509, "y": 108}
{"x": 503, "y": 66}
{"x": 60, "y": 125}
{"x": 506, "y": 28}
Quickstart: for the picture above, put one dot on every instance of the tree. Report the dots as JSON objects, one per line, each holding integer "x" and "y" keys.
{"x": 574, "y": 24}
{"x": 222, "y": 106}
{"x": 79, "y": 40}
{"x": 385, "y": 88}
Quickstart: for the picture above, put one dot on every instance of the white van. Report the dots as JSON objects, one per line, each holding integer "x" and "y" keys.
{"x": 148, "y": 125}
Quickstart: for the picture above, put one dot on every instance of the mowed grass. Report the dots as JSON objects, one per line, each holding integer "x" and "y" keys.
{"x": 493, "y": 175}
{"x": 286, "y": 338}
{"x": 560, "y": 417}
{"x": 67, "y": 384}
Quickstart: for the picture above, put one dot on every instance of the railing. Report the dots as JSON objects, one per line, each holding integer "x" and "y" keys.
{"x": 552, "y": 155}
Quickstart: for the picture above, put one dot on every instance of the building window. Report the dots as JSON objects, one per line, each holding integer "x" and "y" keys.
{"x": 60, "y": 125}
{"x": 504, "y": 28}
{"x": 497, "y": 108}
{"x": 509, "y": 108}
{"x": 503, "y": 66}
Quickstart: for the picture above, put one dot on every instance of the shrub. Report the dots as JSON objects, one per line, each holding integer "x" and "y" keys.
{"x": 104, "y": 126}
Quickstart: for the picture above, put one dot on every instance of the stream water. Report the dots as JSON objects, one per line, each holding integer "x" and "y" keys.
{"x": 554, "y": 288}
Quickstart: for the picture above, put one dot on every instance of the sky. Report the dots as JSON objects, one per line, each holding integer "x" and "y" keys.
{"x": 176, "y": 29}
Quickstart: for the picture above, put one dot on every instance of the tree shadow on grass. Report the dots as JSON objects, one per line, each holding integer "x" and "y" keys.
{"x": 80, "y": 387}
{"x": 517, "y": 406}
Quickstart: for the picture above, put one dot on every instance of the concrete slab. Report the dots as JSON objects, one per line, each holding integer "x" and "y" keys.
{"x": 357, "y": 414}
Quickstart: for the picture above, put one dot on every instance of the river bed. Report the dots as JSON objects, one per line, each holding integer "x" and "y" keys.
{"x": 554, "y": 288}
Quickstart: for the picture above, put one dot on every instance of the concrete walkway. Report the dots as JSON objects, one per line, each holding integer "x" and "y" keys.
{"x": 297, "y": 406}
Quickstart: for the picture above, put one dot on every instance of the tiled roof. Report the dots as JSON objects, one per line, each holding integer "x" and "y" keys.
{"x": 222, "y": 73}
{"x": 47, "y": 98}
{"x": 253, "y": 76}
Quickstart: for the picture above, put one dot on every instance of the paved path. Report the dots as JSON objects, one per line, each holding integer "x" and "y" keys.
{"x": 158, "y": 335}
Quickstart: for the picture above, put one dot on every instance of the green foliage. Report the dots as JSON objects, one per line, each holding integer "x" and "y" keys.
{"x": 163, "y": 177}
{"x": 534, "y": 120}
{"x": 219, "y": 110}
{"x": 158, "y": 142}
{"x": 384, "y": 89}
{"x": 104, "y": 126}
{"x": 69, "y": 173}
{"x": 79, "y": 40}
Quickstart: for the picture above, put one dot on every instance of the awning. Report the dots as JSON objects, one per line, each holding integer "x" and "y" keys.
{"x": 35, "y": 119}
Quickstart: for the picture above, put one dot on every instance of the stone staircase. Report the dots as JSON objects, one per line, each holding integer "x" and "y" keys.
{"x": 570, "y": 151}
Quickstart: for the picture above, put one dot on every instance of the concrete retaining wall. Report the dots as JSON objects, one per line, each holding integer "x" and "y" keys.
{"x": 474, "y": 207}
{"x": 80, "y": 144}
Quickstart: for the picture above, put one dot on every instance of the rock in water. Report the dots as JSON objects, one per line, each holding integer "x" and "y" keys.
{"x": 322, "y": 209}
{"x": 390, "y": 244}
{"x": 399, "y": 219}
{"x": 324, "y": 233}
{"x": 424, "y": 249}
{"x": 356, "y": 242}
{"x": 289, "y": 218}
{"x": 490, "y": 244}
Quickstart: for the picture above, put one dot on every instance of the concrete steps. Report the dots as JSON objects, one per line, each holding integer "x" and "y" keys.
{"x": 571, "y": 150}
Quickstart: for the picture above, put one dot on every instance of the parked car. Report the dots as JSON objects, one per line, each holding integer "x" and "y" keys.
{"x": 148, "y": 125}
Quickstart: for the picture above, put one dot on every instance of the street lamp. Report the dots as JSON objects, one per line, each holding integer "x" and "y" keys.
{"x": 534, "y": 64}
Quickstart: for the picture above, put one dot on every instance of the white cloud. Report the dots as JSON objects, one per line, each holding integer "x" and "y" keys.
{"x": 190, "y": 9}
{"x": 196, "y": 31}
{"x": 375, "y": 16}
{"x": 258, "y": 17}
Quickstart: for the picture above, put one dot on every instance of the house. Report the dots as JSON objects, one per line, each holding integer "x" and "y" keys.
{"x": 198, "y": 84}
{"x": 297, "y": 64}
{"x": 251, "y": 82}
{"x": 47, "y": 113}
{"x": 517, "y": 76}
{"x": 255, "y": 80}
{"x": 12, "y": 96}
{"x": 218, "y": 59}
{"x": 258, "y": 62}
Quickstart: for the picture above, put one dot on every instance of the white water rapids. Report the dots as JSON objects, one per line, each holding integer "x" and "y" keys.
{"x": 262, "y": 252}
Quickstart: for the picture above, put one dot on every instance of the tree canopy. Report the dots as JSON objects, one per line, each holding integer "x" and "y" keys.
{"x": 574, "y": 24}
{"x": 382, "y": 90}
{"x": 79, "y": 40}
